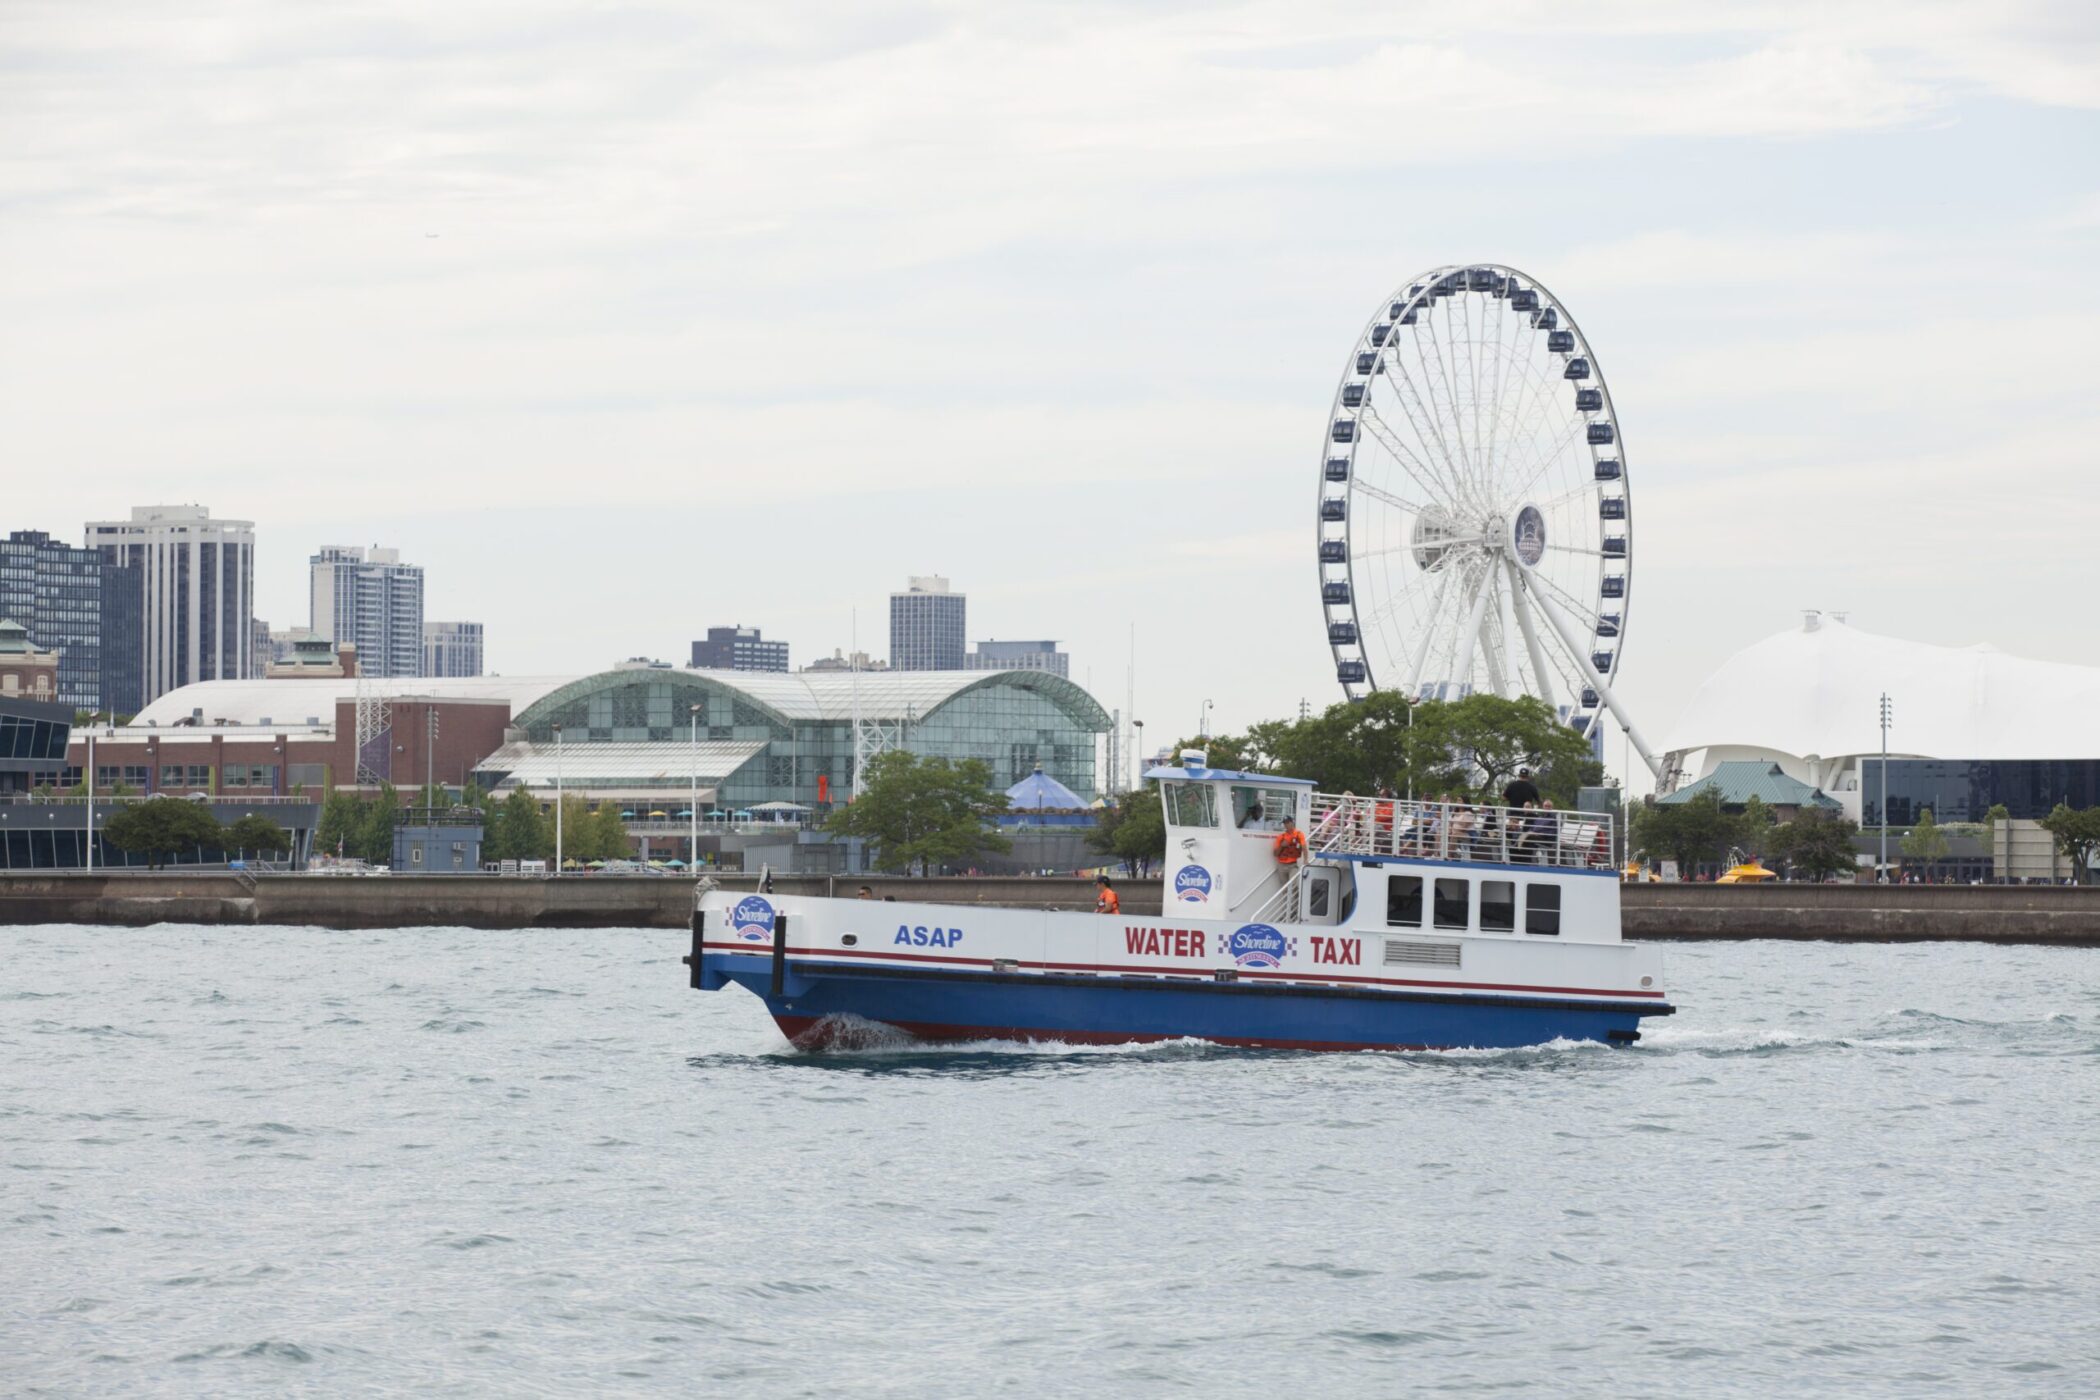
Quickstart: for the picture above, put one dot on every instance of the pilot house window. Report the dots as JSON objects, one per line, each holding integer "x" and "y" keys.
{"x": 1190, "y": 804}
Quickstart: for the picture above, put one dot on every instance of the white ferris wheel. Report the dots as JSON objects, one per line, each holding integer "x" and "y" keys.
{"x": 1475, "y": 522}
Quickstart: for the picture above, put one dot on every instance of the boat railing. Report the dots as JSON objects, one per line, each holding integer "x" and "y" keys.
{"x": 1344, "y": 824}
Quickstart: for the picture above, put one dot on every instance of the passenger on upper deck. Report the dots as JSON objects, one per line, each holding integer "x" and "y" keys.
{"x": 1521, "y": 792}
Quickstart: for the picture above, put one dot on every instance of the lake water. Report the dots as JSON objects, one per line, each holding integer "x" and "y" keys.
{"x": 271, "y": 1161}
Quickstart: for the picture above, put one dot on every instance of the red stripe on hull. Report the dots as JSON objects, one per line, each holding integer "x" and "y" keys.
{"x": 812, "y": 1033}
{"x": 764, "y": 950}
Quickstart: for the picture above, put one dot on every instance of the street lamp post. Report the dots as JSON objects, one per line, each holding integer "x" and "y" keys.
{"x": 1883, "y": 872}
{"x": 1203, "y": 728}
{"x": 91, "y": 803}
{"x": 557, "y": 799}
{"x": 1138, "y": 765}
{"x": 692, "y": 803}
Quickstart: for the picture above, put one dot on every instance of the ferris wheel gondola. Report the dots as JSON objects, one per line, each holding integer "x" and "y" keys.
{"x": 1475, "y": 518}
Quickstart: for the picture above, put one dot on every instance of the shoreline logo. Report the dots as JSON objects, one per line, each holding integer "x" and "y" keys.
{"x": 1192, "y": 885}
{"x": 1257, "y": 945}
{"x": 752, "y": 919}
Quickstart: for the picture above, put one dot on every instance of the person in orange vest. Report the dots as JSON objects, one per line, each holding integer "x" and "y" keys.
{"x": 1290, "y": 843}
{"x": 1107, "y": 902}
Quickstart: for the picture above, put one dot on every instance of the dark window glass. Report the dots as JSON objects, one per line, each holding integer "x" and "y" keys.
{"x": 1498, "y": 906}
{"x": 1403, "y": 900}
{"x": 1316, "y": 900}
{"x": 1453, "y": 903}
{"x": 1542, "y": 909}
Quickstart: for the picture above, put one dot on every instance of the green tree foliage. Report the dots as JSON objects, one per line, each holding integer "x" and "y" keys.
{"x": 374, "y": 837}
{"x": 1754, "y": 827}
{"x": 518, "y": 830}
{"x": 2077, "y": 835}
{"x": 1477, "y": 744}
{"x": 1351, "y": 746}
{"x": 1694, "y": 832}
{"x": 1817, "y": 843}
{"x": 256, "y": 834}
{"x": 609, "y": 834}
{"x": 1924, "y": 843}
{"x": 924, "y": 813}
{"x": 340, "y": 813}
{"x": 162, "y": 827}
{"x": 1237, "y": 753}
{"x": 1135, "y": 827}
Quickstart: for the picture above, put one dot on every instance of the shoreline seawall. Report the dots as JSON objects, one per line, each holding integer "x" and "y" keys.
{"x": 2062, "y": 916}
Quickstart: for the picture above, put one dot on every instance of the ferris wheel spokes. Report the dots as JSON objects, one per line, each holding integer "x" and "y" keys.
{"x": 1474, "y": 507}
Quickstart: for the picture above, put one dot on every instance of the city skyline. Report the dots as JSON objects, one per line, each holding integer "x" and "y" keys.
{"x": 1098, "y": 369}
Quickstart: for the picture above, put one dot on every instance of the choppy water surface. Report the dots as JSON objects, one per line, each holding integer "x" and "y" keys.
{"x": 274, "y": 1160}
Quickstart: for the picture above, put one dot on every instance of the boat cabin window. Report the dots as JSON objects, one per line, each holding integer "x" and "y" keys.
{"x": 1317, "y": 896}
{"x": 1190, "y": 804}
{"x": 1498, "y": 906}
{"x": 1403, "y": 901}
{"x": 1262, "y": 809}
{"x": 1454, "y": 903}
{"x": 1542, "y": 909}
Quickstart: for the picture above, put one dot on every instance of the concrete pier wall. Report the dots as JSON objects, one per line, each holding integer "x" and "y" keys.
{"x": 1851, "y": 913}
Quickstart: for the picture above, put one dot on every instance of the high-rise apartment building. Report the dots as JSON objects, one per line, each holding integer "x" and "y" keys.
{"x": 452, "y": 649}
{"x": 54, "y": 590}
{"x": 1020, "y": 656}
{"x": 196, "y": 592}
{"x": 926, "y": 626}
{"x": 369, "y": 597}
{"x": 739, "y": 648}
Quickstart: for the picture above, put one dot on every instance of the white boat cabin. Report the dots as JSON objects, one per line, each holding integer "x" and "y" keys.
{"x": 1382, "y": 864}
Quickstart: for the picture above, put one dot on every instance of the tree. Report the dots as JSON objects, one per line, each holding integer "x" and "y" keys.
{"x": 1924, "y": 843}
{"x": 1135, "y": 828}
{"x": 1754, "y": 827}
{"x": 256, "y": 832}
{"x": 923, "y": 812}
{"x": 340, "y": 814}
{"x": 1816, "y": 843}
{"x": 372, "y": 837}
{"x": 609, "y": 834}
{"x": 1482, "y": 740}
{"x": 518, "y": 830}
{"x": 162, "y": 826}
{"x": 1226, "y": 751}
{"x": 1693, "y": 832}
{"x": 2077, "y": 835}
{"x": 1351, "y": 746}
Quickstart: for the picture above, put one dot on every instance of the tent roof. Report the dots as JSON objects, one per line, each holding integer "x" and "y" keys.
{"x": 1041, "y": 792}
{"x": 1815, "y": 690}
{"x": 1739, "y": 781}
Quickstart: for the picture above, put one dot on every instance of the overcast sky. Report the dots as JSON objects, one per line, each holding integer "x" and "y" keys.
{"x": 628, "y": 319}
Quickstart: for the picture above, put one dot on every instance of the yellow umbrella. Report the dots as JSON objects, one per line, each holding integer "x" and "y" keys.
{"x": 1748, "y": 873}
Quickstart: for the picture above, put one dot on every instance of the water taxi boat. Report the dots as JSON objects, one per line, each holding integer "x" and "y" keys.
{"x": 1406, "y": 925}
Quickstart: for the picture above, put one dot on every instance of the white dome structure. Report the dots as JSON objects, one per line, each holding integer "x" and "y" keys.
{"x": 1809, "y": 700}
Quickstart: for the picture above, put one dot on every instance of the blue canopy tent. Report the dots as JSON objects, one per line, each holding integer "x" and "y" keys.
{"x": 1039, "y": 792}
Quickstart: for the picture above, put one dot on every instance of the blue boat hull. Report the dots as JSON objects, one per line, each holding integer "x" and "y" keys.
{"x": 817, "y": 1005}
